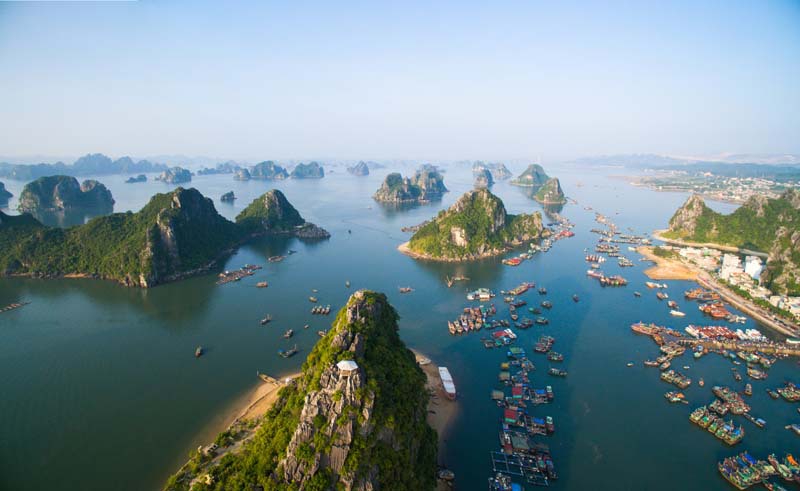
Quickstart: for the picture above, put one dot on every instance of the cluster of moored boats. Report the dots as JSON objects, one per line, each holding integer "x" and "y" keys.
{"x": 743, "y": 470}
{"x": 238, "y": 274}
{"x": 717, "y": 426}
{"x": 320, "y": 310}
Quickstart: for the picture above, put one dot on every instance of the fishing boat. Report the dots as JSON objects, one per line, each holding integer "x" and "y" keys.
{"x": 198, "y": 352}
{"x": 701, "y": 382}
{"x": 406, "y": 289}
{"x": 748, "y": 389}
{"x": 542, "y": 321}
{"x": 650, "y": 363}
{"x": 629, "y": 364}
{"x": 288, "y": 353}
{"x": 637, "y": 294}
{"x": 447, "y": 383}
{"x": 542, "y": 291}
{"x": 262, "y": 284}
{"x": 557, "y": 372}
{"x": 661, "y": 295}
{"x": 480, "y": 294}
{"x": 266, "y": 320}
{"x": 672, "y": 304}
{"x": 547, "y": 304}
{"x": 288, "y": 333}
{"x": 676, "y": 313}
{"x": 312, "y": 299}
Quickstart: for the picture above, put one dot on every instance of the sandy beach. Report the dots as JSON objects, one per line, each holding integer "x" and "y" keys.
{"x": 666, "y": 269}
{"x": 441, "y": 410}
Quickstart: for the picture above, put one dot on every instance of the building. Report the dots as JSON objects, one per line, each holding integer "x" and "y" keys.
{"x": 753, "y": 267}
{"x": 347, "y": 367}
{"x": 731, "y": 264}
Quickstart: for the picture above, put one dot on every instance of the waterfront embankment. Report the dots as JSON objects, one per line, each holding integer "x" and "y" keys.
{"x": 659, "y": 235}
{"x": 665, "y": 268}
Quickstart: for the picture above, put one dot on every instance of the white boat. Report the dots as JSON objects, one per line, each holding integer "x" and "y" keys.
{"x": 447, "y": 382}
{"x": 676, "y": 313}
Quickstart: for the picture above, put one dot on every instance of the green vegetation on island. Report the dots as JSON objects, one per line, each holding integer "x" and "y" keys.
{"x": 312, "y": 170}
{"x": 175, "y": 235}
{"x": 360, "y": 169}
{"x": 483, "y": 179}
{"x": 498, "y": 170}
{"x": 533, "y": 176}
{"x": 426, "y": 184}
{"x": 339, "y": 426}
{"x": 60, "y": 193}
{"x": 760, "y": 224}
{"x": 476, "y": 226}
{"x": 267, "y": 170}
{"x": 175, "y": 175}
{"x": 550, "y": 193}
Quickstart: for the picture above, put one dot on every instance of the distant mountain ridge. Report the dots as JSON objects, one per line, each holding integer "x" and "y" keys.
{"x": 90, "y": 164}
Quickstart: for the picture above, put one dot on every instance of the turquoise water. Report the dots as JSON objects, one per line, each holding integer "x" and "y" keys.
{"x": 101, "y": 389}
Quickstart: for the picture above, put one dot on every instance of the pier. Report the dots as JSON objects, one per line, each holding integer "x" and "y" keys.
{"x": 749, "y": 347}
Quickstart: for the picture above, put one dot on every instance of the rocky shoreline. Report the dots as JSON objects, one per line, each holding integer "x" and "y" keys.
{"x": 405, "y": 249}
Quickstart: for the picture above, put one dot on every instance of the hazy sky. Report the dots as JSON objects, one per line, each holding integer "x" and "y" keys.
{"x": 293, "y": 79}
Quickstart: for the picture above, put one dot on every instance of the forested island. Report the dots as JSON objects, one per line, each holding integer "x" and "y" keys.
{"x": 177, "y": 234}
{"x": 90, "y": 164}
{"x": 312, "y": 170}
{"x": 498, "y": 170}
{"x": 175, "y": 175}
{"x": 550, "y": 193}
{"x": 360, "y": 169}
{"x": 534, "y": 176}
{"x": 425, "y": 185}
{"x": 355, "y": 418}
{"x": 761, "y": 224}
{"x": 63, "y": 193}
{"x": 476, "y": 226}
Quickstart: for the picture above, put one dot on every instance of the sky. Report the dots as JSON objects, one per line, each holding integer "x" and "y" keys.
{"x": 406, "y": 80}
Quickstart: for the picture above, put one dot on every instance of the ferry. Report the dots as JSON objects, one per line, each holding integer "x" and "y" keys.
{"x": 447, "y": 383}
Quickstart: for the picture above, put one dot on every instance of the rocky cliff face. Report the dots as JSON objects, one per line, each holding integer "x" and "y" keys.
{"x": 308, "y": 171}
{"x": 4, "y": 194}
{"x": 483, "y": 179}
{"x": 228, "y": 197}
{"x": 534, "y": 176}
{"x": 476, "y": 226}
{"x": 242, "y": 175}
{"x": 269, "y": 171}
{"x": 60, "y": 193}
{"x": 273, "y": 214}
{"x": 360, "y": 169}
{"x": 175, "y": 175}
{"x": 551, "y": 193}
{"x": 426, "y": 184}
{"x": 684, "y": 221}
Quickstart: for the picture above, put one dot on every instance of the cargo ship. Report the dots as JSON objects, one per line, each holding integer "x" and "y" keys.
{"x": 447, "y": 383}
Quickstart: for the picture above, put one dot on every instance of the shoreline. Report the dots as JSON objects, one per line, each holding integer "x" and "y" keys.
{"x": 441, "y": 410}
{"x": 404, "y": 249}
{"x": 705, "y": 280}
{"x": 658, "y": 234}
{"x": 666, "y": 269}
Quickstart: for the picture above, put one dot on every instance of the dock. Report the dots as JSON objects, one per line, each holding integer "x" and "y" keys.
{"x": 514, "y": 465}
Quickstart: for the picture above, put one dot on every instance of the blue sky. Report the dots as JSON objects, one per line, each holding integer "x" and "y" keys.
{"x": 493, "y": 80}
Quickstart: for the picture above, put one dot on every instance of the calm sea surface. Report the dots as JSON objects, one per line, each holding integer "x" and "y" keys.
{"x": 101, "y": 390}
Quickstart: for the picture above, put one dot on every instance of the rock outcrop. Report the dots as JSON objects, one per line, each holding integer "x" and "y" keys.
{"x": 498, "y": 170}
{"x": 360, "y": 169}
{"x": 228, "y": 197}
{"x": 241, "y": 175}
{"x": 175, "y": 175}
{"x": 483, "y": 179}
{"x": 273, "y": 214}
{"x": 476, "y": 226}
{"x": 311, "y": 170}
{"x": 63, "y": 193}
{"x": 761, "y": 224}
{"x": 5, "y": 195}
{"x": 425, "y": 185}
{"x": 268, "y": 170}
{"x": 355, "y": 419}
{"x": 534, "y": 176}
{"x": 550, "y": 193}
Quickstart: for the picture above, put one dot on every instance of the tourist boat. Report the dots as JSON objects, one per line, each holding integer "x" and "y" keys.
{"x": 672, "y": 304}
{"x": 198, "y": 352}
{"x": 736, "y": 375}
{"x": 794, "y": 427}
{"x": 288, "y": 333}
{"x": 676, "y": 313}
{"x": 661, "y": 295}
{"x": 772, "y": 394}
{"x": 664, "y": 366}
{"x": 262, "y": 284}
{"x": 547, "y": 304}
{"x": 276, "y": 259}
{"x": 447, "y": 383}
{"x": 555, "y": 356}
{"x": 312, "y": 299}
{"x": 701, "y": 382}
{"x": 557, "y": 372}
{"x": 542, "y": 321}
{"x": 542, "y": 291}
{"x": 288, "y": 353}
{"x": 748, "y": 389}
{"x": 266, "y": 320}
{"x": 629, "y": 364}
{"x": 594, "y": 274}
{"x": 406, "y": 289}
{"x": 650, "y": 363}
{"x": 756, "y": 374}
{"x": 637, "y": 294}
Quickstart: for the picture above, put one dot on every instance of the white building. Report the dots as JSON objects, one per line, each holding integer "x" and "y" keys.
{"x": 753, "y": 267}
{"x": 731, "y": 264}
